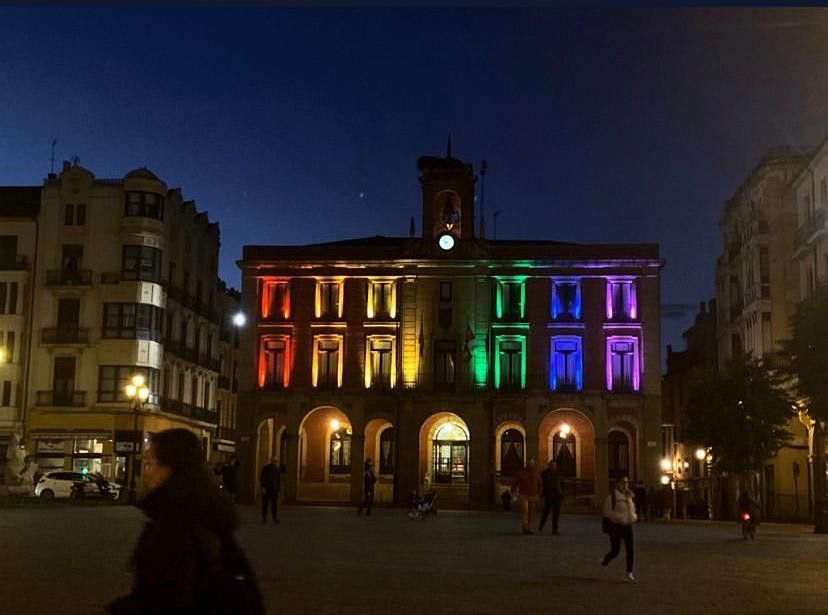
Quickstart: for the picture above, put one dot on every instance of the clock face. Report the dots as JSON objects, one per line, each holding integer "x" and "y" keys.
{"x": 446, "y": 241}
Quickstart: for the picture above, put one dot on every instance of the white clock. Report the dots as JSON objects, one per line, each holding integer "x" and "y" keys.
{"x": 446, "y": 241}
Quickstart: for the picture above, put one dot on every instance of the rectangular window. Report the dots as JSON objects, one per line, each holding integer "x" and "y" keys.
{"x": 144, "y": 204}
{"x": 10, "y": 346}
{"x": 274, "y": 356}
{"x": 132, "y": 321}
{"x": 275, "y": 302}
{"x": 380, "y": 300}
{"x": 8, "y": 250}
{"x": 566, "y": 300}
{"x": 445, "y": 291}
{"x": 621, "y": 300}
{"x": 622, "y": 364}
{"x": 3, "y": 297}
{"x": 180, "y": 389}
{"x": 327, "y": 356}
{"x": 68, "y": 318}
{"x": 206, "y": 395}
{"x": 566, "y": 367}
{"x": 511, "y": 301}
{"x": 113, "y": 379}
{"x": 328, "y": 307}
{"x": 68, "y": 214}
{"x": 445, "y": 354}
{"x": 80, "y": 214}
{"x": 72, "y": 258}
{"x": 194, "y": 391}
{"x": 12, "y": 298}
{"x": 63, "y": 381}
{"x": 141, "y": 263}
{"x": 823, "y": 191}
{"x": 380, "y": 351}
{"x": 7, "y": 388}
{"x": 510, "y": 360}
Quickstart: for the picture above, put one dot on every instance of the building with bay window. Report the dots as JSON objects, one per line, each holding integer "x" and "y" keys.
{"x": 449, "y": 359}
{"x": 125, "y": 282}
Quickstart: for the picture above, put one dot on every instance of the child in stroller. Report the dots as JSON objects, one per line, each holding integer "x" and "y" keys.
{"x": 419, "y": 507}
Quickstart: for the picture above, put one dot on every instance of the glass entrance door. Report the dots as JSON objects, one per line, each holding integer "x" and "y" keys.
{"x": 450, "y": 462}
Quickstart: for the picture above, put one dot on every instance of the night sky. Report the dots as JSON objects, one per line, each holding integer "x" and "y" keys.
{"x": 304, "y": 125}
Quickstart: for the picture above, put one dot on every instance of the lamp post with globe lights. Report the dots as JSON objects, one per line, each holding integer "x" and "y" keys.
{"x": 137, "y": 392}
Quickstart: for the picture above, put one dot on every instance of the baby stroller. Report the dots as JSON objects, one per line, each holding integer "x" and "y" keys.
{"x": 419, "y": 507}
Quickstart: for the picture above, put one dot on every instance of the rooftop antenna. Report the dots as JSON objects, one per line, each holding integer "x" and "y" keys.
{"x": 483, "y": 168}
{"x": 75, "y": 161}
{"x": 448, "y": 148}
{"x": 494, "y": 216}
{"x": 52, "y": 159}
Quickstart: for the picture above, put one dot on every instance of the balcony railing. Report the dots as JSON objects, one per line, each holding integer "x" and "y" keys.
{"x": 226, "y": 433}
{"x": 65, "y": 335}
{"x": 175, "y": 406}
{"x": 811, "y": 228}
{"x": 64, "y": 277}
{"x": 73, "y": 399}
{"x": 17, "y": 263}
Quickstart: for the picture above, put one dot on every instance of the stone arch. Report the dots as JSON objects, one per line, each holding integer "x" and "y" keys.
{"x": 266, "y": 444}
{"x": 582, "y": 431}
{"x": 501, "y": 429}
{"x": 450, "y": 474}
{"x": 324, "y": 431}
{"x": 374, "y": 449}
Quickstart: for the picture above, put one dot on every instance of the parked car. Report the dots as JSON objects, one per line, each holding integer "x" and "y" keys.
{"x": 61, "y": 484}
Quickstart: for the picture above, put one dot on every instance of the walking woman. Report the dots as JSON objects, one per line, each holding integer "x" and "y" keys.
{"x": 619, "y": 516}
{"x": 186, "y": 560}
{"x": 368, "y": 480}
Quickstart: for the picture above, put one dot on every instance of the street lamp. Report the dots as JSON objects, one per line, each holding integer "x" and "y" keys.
{"x": 137, "y": 392}
{"x": 239, "y": 319}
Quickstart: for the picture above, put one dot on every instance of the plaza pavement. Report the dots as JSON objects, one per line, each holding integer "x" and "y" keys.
{"x": 67, "y": 560}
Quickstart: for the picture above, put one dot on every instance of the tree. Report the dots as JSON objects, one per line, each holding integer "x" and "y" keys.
{"x": 740, "y": 412}
{"x": 806, "y": 359}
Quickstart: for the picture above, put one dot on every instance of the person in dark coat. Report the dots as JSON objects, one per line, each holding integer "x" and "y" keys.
{"x": 368, "y": 481}
{"x": 640, "y": 492}
{"x": 230, "y": 477}
{"x": 184, "y": 553}
{"x": 552, "y": 496}
{"x": 271, "y": 482}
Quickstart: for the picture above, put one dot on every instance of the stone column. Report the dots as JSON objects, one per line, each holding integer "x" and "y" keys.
{"x": 357, "y": 459}
{"x": 291, "y": 475}
{"x": 408, "y": 447}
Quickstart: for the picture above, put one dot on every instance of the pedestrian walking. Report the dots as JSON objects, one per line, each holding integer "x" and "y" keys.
{"x": 529, "y": 486}
{"x": 186, "y": 561}
{"x": 619, "y": 516}
{"x": 270, "y": 480}
{"x": 552, "y": 496}
{"x": 230, "y": 476}
{"x": 368, "y": 481}
{"x": 641, "y": 499}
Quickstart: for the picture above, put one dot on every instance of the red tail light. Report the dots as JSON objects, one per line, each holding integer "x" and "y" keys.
{"x": 745, "y": 516}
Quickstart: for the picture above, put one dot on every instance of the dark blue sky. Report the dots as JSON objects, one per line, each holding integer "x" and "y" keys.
{"x": 304, "y": 125}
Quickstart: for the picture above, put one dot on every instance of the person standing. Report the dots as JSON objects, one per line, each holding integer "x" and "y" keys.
{"x": 270, "y": 481}
{"x": 368, "y": 481}
{"x": 619, "y": 515}
{"x": 552, "y": 496}
{"x": 186, "y": 561}
{"x": 641, "y": 499}
{"x": 529, "y": 486}
{"x": 230, "y": 476}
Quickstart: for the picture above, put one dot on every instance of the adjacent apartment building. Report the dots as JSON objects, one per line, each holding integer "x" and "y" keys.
{"x": 757, "y": 289}
{"x": 449, "y": 359}
{"x": 124, "y": 280}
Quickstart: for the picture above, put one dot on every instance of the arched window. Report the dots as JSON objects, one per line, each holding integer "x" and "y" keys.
{"x": 340, "y": 453}
{"x": 511, "y": 452}
{"x": 619, "y": 454}
{"x": 563, "y": 452}
{"x": 387, "y": 452}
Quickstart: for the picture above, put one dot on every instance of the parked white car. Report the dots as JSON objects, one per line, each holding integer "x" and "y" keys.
{"x": 58, "y": 484}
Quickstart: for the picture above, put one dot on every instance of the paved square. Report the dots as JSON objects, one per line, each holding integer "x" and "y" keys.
{"x": 72, "y": 560}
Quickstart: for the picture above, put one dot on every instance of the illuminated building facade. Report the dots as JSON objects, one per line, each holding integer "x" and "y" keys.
{"x": 117, "y": 277}
{"x": 449, "y": 359}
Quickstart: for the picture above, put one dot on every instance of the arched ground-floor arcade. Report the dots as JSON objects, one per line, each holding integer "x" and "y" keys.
{"x": 466, "y": 448}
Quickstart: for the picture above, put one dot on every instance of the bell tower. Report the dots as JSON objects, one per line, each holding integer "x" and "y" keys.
{"x": 448, "y": 201}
